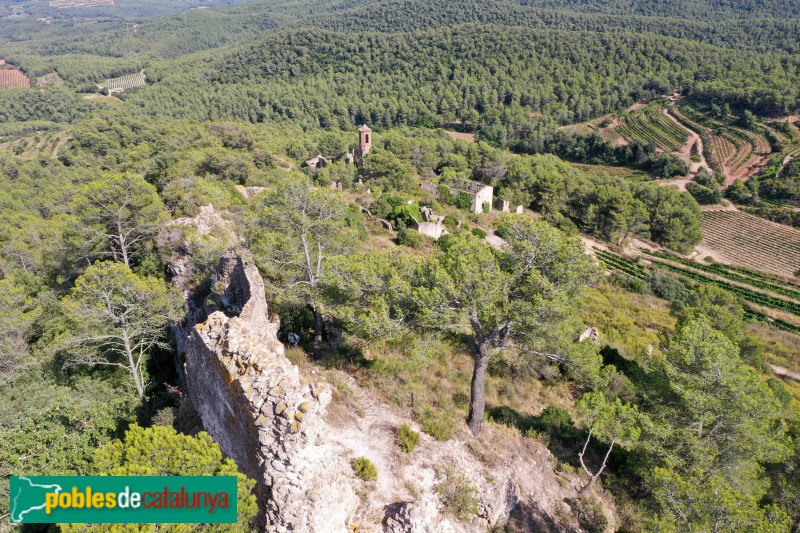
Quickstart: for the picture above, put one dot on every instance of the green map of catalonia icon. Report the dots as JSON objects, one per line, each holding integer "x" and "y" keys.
{"x": 28, "y": 497}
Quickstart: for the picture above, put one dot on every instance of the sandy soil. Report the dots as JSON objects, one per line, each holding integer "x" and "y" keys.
{"x": 785, "y": 372}
{"x": 101, "y": 97}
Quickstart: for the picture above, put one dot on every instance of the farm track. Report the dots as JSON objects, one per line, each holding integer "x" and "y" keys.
{"x": 739, "y": 153}
{"x": 686, "y": 153}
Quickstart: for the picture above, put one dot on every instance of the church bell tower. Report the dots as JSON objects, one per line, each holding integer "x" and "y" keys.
{"x": 364, "y": 139}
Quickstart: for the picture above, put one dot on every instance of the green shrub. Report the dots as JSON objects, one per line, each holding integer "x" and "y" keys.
{"x": 667, "y": 287}
{"x": 460, "y": 399}
{"x": 783, "y": 395}
{"x": 365, "y": 469}
{"x": 479, "y": 233}
{"x": 628, "y": 282}
{"x": 438, "y": 425}
{"x": 544, "y": 438}
{"x": 450, "y": 222}
{"x": 704, "y": 195}
{"x": 554, "y": 417}
{"x": 464, "y": 200}
{"x": 408, "y": 438}
{"x": 589, "y": 514}
{"x": 457, "y": 495}
{"x": 410, "y": 237}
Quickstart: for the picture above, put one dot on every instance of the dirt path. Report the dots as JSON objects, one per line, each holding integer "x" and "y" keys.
{"x": 787, "y": 160}
{"x": 679, "y": 184}
{"x": 686, "y": 152}
{"x": 785, "y": 372}
{"x": 791, "y": 120}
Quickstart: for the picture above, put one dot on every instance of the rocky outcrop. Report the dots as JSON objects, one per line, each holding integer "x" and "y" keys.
{"x": 279, "y": 425}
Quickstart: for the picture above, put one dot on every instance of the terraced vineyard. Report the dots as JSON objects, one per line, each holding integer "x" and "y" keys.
{"x": 752, "y": 242}
{"x": 124, "y": 83}
{"x": 753, "y": 279}
{"x": 654, "y": 126}
{"x": 732, "y": 150}
{"x": 782, "y": 204}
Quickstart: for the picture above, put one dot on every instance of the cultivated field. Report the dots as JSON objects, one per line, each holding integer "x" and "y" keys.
{"x": 767, "y": 299}
{"x": 752, "y": 242}
{"x": 461, "y": 136}
{"x": 62, "y": 4}
{"x": 737, "y": 152}
{"x": 14, "y": 79}
{"x": 653, "y": 126}
{"x": 123, "y": 83}
{"x": 43, "y": 144}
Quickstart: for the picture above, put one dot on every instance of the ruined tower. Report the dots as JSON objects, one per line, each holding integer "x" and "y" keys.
{"x": 364, "y": 140}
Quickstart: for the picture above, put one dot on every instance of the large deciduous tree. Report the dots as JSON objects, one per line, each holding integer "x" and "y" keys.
{"x": 523, "y": 294}
{"x": 119, "y": 318}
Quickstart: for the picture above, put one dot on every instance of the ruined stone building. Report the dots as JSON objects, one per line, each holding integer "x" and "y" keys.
{"x": 431, "y": 225}
{"x": 482, "y": 195}
{"x": 505, "y": 207}
{"x": 351, "y": 157}
{"x": 319, "y": 161}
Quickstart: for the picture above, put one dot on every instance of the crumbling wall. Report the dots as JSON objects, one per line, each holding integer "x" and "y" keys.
{"x": 259, "y": 409}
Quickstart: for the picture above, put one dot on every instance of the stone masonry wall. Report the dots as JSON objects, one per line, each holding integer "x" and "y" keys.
{"x": 255, "y": 404}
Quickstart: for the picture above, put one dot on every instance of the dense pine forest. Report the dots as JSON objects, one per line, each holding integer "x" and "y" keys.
{"x": 623, "y": 136}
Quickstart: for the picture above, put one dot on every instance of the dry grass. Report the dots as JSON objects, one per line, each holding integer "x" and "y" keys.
{"x": 460, "y": 136}
{"x": 621, "y": 172}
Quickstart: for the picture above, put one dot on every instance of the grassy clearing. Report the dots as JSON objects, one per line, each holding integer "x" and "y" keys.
{"x": 621, "y": 172}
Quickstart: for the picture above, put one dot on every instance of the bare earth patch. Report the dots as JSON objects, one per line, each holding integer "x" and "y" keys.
{"x": 469, "y": 137}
